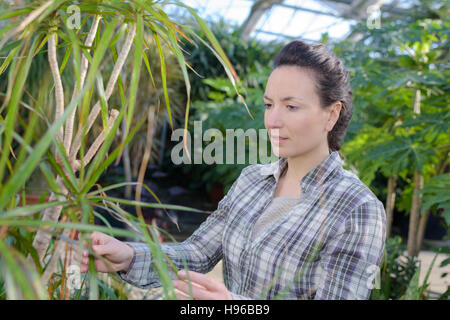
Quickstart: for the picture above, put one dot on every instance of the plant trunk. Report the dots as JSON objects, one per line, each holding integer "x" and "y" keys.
{"x": 42, "y": 238}
{"x": 414, "y": 215}
{"x": 424, "y": 217}
{"x": 422, "y": 227}
{"x": 59, "y": 91}
{"x": 390, "y": 204}
{"x": 416, "y": 198}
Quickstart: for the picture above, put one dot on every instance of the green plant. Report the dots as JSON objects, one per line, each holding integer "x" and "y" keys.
{"x": 400, "y": 273}
{"x": 444, "y": 250}
{"x": 435, "y": 193}
{"x": 396, "y": 271}
{"x": 38, "y": 242}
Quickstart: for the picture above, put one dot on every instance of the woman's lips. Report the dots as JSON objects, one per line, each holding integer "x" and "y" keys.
{"x": 278, "y": 140}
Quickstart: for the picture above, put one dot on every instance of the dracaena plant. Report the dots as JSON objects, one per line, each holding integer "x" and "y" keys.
{"x": 85, "y": 63}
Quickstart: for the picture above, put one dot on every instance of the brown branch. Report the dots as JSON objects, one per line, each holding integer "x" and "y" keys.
{"x": 416, "y": 198}
{"x": 147, "y": 152}
{"x": 422, "y": 228}
{"x": 390, "y": 204}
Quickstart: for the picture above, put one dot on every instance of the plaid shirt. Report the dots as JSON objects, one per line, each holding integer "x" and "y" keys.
{"x": 329, "y": 246}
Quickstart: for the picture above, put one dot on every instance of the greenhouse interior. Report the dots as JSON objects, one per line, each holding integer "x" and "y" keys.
{"x": 270, "y": 149}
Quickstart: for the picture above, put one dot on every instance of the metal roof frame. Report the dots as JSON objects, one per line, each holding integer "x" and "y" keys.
{"x": 346, "y": 9}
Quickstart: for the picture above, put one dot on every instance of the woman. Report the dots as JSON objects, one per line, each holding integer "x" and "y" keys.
{"x": 299, "y": 228}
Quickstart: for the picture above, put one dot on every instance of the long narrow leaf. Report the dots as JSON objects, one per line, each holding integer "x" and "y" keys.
{"x": 63, "y": 225}
{"x": 16, "y": 94}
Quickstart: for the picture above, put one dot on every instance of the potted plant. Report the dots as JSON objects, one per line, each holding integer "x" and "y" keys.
{"x": 87, "y": 46}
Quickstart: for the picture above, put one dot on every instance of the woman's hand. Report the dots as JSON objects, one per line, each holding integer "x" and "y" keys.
{"x": 203, "y": 287}
{"x": 118, "y": 255}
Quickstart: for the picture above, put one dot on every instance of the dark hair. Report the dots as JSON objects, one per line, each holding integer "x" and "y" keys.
{"x": 332, "y": 81}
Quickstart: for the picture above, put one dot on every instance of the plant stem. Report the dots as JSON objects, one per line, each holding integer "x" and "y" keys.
{"x": 84, "y": 66}
{"x": 390, "y": 204}
{"x": 109, "y": 89}
{"x": 147, "y": 152}
{"x": 424, "y": 217}
{"x": 59, "y": 91}
{"x": 126, "y": 163}
{"x": 421, "y": 229}
{"x": 52, "y": 265}
{"x": 416, "y": 198}
{"x": 98, "y": 141}
{"x": 42, "y": 238}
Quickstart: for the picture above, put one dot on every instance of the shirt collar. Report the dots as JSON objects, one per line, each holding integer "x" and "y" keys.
{"x": 314, "y": 178}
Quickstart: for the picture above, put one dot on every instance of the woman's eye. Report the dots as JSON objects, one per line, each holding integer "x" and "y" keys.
{"x": 267, "y": 105}
{"x": 291, "y": 107}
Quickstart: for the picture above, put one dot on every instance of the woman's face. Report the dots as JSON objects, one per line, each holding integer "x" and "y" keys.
{"x": 294, "y": 119}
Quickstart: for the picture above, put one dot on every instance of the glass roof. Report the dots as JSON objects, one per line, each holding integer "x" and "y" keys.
{"x": 296, "y": 19}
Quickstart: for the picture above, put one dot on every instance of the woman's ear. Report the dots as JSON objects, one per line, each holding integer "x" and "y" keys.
{"x": 335, "y": 111}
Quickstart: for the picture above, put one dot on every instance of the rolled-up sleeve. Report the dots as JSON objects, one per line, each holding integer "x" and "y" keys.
{"x": 350, "y": 260}
{"x": 201, "y": 251}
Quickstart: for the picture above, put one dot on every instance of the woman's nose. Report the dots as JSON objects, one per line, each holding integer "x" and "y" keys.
{"x": 274, "y": 118}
